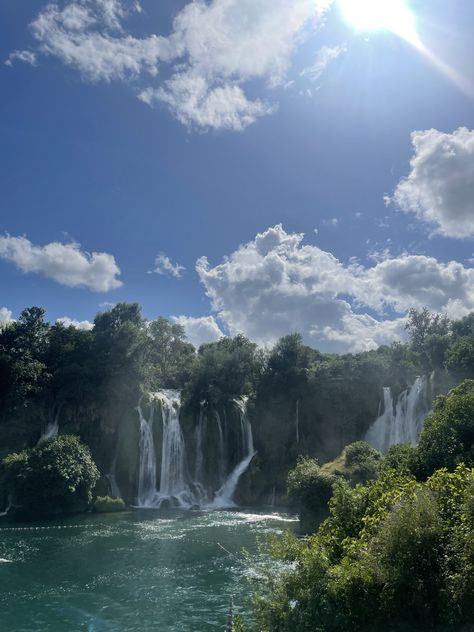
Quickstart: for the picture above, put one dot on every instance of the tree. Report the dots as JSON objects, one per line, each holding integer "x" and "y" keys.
{"x": 429, "y": 336}
{"x": 447, "y": 438}
{"x": 56, "y": 477}
{"x": 169, "y": 353}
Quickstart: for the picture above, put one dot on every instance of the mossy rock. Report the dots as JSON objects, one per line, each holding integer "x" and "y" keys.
{"x": 107, "y": 504}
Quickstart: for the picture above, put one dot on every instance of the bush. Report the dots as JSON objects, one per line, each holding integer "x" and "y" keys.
{"x": 56, "y": 477}
{"x": 399, "y": 457}
{"x": 310, "y": 489}
{"x": 448, "y": 436}
{"x": 394, "y": 554}
{"x": 107, "y": 504}
{"x": 362, "y": 462}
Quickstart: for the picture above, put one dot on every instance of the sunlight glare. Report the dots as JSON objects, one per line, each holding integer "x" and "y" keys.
{"x": 377, "y": 15}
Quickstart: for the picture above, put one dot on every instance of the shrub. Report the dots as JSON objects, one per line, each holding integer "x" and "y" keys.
{"x": 394, "y": 554}
{"x": 56, "y": 477}
{"x": 310, "y": 489}
{"x": 448, "y": 436}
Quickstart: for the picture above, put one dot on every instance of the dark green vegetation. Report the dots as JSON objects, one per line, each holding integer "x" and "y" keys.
{"x": 302, "y": 402}
{"x": 56, "y": 477}
{"x": 396, "y": 551}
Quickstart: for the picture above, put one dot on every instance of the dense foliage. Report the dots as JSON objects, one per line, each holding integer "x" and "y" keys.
{"x": 56, "y": 477}
{"x": 301, "y": 401}
{"x": 395, "y": 553}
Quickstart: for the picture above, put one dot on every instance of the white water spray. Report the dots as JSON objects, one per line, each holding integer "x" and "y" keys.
{"x": 176, "y": 487}
{"x": 147, "y": 465}
{"x": 225, "y": 495}
{"x": 51, "y": 429}
{"x": 402, "y": 422}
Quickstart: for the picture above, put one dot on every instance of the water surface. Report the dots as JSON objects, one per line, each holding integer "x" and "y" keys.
{"x": 139, "y": 571}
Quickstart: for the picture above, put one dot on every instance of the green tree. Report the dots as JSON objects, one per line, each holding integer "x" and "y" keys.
{"x": 429, "y": 337}
{"x": 56, "y": 477}
{"x": 448, "y": 435}
{"x": 169, "y": 353}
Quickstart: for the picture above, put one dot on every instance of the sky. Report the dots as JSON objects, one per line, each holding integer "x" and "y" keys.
{"x": 239, "y": 166}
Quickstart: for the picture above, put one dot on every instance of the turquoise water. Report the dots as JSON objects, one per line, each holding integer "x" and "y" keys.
{"x": 138, "y": 571}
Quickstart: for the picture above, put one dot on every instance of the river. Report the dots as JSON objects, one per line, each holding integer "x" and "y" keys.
{"x": 138, "y": 571}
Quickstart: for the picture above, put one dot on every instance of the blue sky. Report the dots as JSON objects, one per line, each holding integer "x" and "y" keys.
{"x": 156, "y": 134}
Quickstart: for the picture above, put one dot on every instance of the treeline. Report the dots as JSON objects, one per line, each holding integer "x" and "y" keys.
{"x": 301, "y": 401}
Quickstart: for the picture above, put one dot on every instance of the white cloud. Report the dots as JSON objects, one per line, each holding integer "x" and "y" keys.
{"x": 84, "y": 325}
{"x": 25, "y": 56}
{"x": 164, "y": 266}
{"x": 65, "y": 263}
{"x": 275, "y": 284}
{"x": 194, "y": 103}
{"x": 440, "y": 186}
{"x": 324, "y": 57}
{"x": 199, "y": 330}
{"x": 82, "y": 35}
{"x": 332, "y": 222}
{"x": 213, "y": 49}
{"x": 6, "y": 317}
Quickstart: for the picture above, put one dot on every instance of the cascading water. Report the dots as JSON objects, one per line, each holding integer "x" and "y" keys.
{"x": 147, "y": 465}
{"x": 220, "y": 448}
{"x": 51, "y": 429}
{"x": 174, "y": 477}
{"x": 199, "y": 461}
{"x": 176, "y": 486}
{"x": 402, "y": 422}
{"x": 225, "y": 495}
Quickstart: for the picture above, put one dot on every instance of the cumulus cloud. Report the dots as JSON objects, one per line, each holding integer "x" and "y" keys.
{"x": 194, "y": 103}
{"x": 84, "y": 325}
{"x": 65, "y": 263}
{"x": 213, "y": 49}
{"x": 199, "y": 330}
{"x": 275, "y": 284}
{"x": 6, "y": 317}
{"x": 25, "y": 56}
{"x": 164, "y": 266}
{"x": 440, "y": 186}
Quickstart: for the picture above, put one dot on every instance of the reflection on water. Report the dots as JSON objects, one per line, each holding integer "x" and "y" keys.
{"x": 141, "y": 571}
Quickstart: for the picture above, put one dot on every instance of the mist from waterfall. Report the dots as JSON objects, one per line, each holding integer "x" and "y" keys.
{"x": 401, "y": 421}
{"x": 211, "y": 486}
{"x": 51, "y": 429}
{"x": 114, "y": 489}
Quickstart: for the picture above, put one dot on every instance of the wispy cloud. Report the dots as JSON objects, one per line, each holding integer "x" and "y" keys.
{"x": 324, "y": 57}
{"x": 25, "y": 56}
{"x": 212, "y": 51}
{"x": 164, "y": 266}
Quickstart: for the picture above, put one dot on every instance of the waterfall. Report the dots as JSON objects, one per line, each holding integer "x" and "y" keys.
{"x": 220, "y": 448}
{"x": 147, "y": 466}
{"x": 224, "y": 496}
{"x": 198, "y": 467}
{"x": 401, "y": 422}
{"x": 173, "y": 479}
{"x": 176, "y": 487}
{"x": 51, "y": 429}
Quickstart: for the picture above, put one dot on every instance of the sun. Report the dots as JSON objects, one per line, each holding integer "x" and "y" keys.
{"x": 380, "y": 15}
